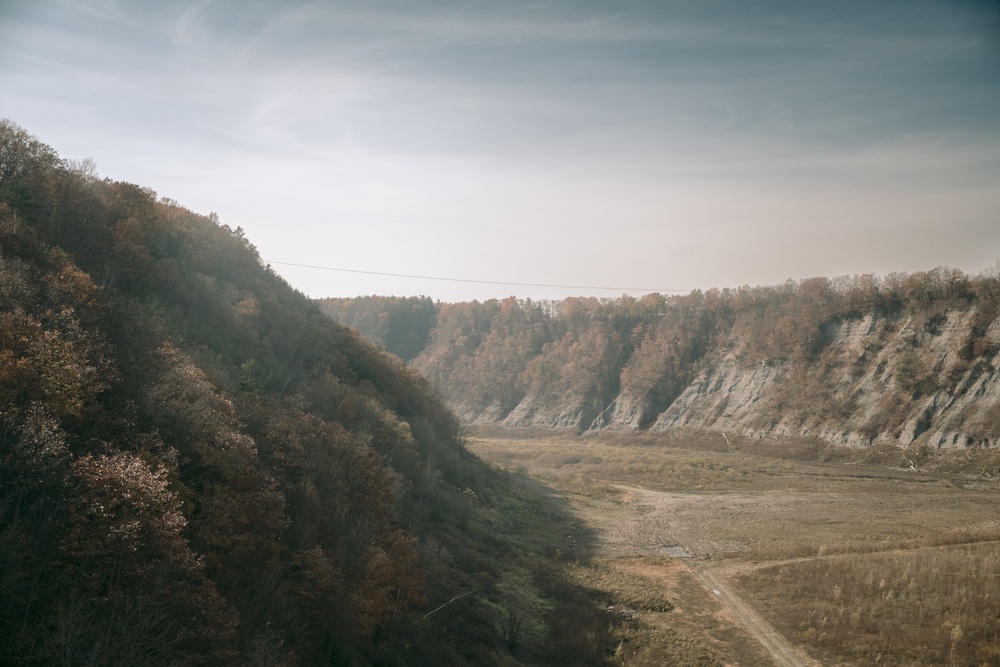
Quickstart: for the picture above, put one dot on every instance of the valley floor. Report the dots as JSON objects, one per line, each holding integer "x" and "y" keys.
{"x": 774, "y": 556}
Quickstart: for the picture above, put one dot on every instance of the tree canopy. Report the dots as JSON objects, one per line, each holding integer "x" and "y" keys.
{"x": 199, "y": 467}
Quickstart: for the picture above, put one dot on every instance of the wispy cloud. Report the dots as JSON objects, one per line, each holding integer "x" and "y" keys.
{"x": 544, "y": 131}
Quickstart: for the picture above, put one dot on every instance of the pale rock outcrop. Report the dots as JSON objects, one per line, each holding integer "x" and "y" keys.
{"x": 901, "y": 379}
{"x": 857, "y": 370}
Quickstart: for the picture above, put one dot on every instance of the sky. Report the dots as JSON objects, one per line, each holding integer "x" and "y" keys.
{"x": 484, "y": 149}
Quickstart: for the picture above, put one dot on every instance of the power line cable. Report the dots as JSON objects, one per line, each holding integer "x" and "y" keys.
{"x": 452, "y": 280}
{"x": 473, "y": 280}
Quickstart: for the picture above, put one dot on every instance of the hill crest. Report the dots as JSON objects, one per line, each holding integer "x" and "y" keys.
{"x": 909, "y": 359}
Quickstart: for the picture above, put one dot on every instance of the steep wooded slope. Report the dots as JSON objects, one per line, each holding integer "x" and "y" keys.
{"x": 198, "y": 467}
{"x": 908, "y": 358}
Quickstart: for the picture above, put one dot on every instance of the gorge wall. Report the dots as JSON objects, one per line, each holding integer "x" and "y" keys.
{"x": 875, "y": 379}
{"x": 906, "y": 359}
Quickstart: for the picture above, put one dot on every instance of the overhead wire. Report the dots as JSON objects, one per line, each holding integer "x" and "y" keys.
{"x": 453, "y": 280}
{"x": 473, "y": 280}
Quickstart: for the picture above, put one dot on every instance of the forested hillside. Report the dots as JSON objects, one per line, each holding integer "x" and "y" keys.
{"x": 199, "y": 467}
{"x": 908, "y": 359}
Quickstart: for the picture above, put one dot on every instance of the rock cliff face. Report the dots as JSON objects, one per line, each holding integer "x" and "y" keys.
{"x": 876, "y": 379}
{"x": 902, "y": 380}
{"x": 908, "y": 359}
{"x": 721, "y": 397}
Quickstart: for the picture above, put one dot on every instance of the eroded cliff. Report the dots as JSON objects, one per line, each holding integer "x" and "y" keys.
{"x": 902, "y": 359}
{"x": 876, "y": 379}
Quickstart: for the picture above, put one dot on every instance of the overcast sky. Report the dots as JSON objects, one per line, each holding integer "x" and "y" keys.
{"x": 654, "y": 145}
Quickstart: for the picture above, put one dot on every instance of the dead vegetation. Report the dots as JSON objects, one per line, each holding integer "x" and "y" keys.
{"x": 857, "y": 556}
{"x": 922, "y": 606}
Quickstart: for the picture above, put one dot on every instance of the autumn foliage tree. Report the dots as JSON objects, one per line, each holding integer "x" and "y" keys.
{"x": 196, "y": 465}
{"x": 589, "y": 363}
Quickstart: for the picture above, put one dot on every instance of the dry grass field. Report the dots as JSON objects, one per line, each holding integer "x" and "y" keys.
{"x": 725, "y": 551}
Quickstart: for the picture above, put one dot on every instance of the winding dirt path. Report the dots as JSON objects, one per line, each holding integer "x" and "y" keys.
{"x": 781, "y": 650}
{"x": 647, "y": 519}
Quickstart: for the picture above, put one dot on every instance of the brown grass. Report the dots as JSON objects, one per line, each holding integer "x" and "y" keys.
{"x": 661, "y": 615}
{"x": 861, "y": 556}
{"x": 930, "y": 606}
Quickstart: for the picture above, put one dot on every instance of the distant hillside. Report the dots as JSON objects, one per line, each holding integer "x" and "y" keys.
{"x": 198, "y": 467}
{"x": 396, "y": 324}
{"x": 908, "y": 359}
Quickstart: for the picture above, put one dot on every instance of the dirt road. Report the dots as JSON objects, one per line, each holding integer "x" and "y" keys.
{"x": 781, "y": 650}
{"x": 651, "y": 522}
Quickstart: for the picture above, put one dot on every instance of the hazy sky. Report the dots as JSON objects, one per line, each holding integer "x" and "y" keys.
{"x": 657, "y": 145}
